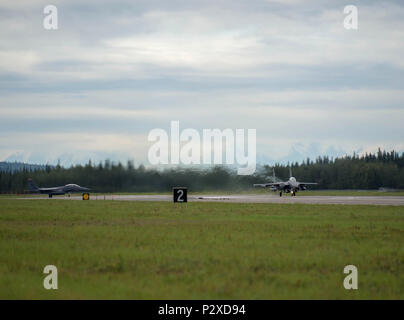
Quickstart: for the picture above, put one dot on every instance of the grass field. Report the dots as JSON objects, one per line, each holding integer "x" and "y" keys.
{"x": 145, "y": 250}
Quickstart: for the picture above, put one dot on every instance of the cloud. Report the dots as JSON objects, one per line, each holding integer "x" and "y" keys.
{"x": 115, "y": 70}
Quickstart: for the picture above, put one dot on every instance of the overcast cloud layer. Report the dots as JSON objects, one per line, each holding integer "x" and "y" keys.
{"x": 114, "y": 70}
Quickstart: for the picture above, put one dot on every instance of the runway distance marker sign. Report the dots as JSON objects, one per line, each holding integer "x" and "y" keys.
{"x": 180, "y": 194}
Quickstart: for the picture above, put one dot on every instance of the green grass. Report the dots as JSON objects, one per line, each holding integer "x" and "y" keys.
{"x": 146, "y": 250}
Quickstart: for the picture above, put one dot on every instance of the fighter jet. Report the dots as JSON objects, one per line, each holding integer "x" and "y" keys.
{"x": 291, "y": 186}
{"x": 68, "y": 188}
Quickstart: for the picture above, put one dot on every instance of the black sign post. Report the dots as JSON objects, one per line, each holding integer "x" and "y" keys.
{"x": 180, "y": 194}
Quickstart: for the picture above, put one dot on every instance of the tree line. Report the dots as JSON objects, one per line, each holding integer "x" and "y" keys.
{"x": 369, "y": 171}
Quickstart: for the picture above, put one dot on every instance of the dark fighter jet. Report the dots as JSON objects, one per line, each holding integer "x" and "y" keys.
{"x": 69, "y": 188}
{"x": 292, "y": 185}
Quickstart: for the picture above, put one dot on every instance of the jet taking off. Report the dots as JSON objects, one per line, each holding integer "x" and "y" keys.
{"x": 69, "y": 188}
{"x": 291, "y": 185}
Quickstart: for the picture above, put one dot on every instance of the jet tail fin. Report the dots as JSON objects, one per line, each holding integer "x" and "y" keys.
{"x": 32, "y": 185}
{"x": 290, "y": 171}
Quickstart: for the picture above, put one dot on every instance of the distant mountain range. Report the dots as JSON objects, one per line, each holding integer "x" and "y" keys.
{"x": 20, "y": 166}
{"x": 297, "y": 153}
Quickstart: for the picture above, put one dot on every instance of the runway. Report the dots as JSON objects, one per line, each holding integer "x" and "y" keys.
{"x": 351, "y": 200}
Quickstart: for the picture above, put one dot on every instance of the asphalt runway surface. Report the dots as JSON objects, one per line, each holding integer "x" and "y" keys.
{"x": 364, "y": 200}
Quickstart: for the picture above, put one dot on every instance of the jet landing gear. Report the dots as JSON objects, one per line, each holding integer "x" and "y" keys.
{"x": 293, "y": 193}
{"x": 280, "y": 194}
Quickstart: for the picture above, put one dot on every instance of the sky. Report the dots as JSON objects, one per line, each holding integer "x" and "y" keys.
{"x": 114, "y": 70}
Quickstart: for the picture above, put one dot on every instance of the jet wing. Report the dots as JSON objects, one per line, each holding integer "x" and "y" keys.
{"x": 50, "y": 189}
{"x": 308, "y": 183}
{"x": 264, "y": 185}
